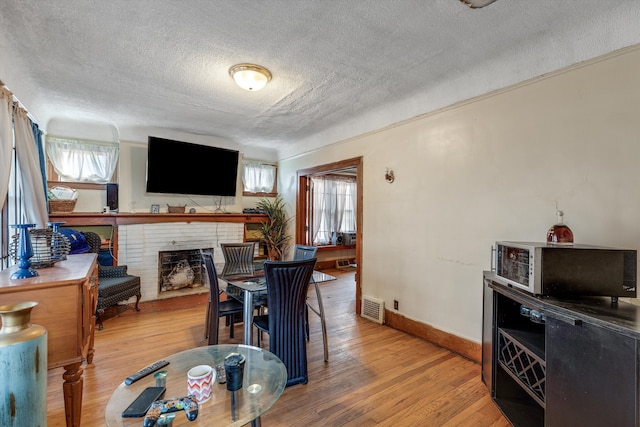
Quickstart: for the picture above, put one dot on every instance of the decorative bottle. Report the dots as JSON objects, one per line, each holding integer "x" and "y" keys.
{"x": 560, "y": 233}
{"x": 23, "y": 367}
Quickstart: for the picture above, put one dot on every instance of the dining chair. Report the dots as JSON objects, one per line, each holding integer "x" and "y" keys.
{"x": 307, "y": 252}
{"x": 216, "y": 308}
{"x": 238, "y": 258}
{"x": 287, "y": 287}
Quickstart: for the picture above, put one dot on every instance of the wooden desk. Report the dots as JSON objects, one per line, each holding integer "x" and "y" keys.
{"x": 66, "y": 295}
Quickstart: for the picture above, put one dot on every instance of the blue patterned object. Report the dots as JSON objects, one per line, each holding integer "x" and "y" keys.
{"x": 79, "y": 244}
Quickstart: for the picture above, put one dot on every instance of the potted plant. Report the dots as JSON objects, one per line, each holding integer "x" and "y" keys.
{"x": 274, "y": 229}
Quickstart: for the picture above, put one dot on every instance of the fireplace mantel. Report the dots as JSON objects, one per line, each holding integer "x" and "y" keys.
{"x": 115, "y": 219}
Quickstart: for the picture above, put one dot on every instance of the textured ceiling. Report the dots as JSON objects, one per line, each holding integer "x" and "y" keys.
{"x": 340, "y": 67}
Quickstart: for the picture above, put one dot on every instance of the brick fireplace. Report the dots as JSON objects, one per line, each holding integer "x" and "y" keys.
{"x": 141, "y": 245}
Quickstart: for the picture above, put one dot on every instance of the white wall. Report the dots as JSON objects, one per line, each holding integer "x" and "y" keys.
{"x": 493, "y": 169}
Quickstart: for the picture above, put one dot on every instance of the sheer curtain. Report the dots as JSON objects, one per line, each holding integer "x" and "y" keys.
{"x": 29, "y": 174}
{"x": 6, "y": 141}
{"x": 258, "y": 177}
{"x": 334, "y": 205}
{"x": 82, "y": 161}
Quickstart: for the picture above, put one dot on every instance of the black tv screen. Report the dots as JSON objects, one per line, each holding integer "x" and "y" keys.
{"x": 176, "y": 167}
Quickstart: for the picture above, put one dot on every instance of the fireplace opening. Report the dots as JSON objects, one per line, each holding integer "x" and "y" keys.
{"x": 179, "y": 269}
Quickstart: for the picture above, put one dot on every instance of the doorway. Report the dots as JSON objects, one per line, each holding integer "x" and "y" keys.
{"x": 350, "y": 166}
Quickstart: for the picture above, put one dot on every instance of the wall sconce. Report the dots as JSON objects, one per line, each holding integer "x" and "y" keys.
{"x": 249, "y": 76}
{"x": 389, "y": 176}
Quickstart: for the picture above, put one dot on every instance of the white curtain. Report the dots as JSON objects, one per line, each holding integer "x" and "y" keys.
{"x": 29, "y": 173}
{"x": 321, "y": 212}
{"x": 82, "y": 161}
{"x": 258, "y": 177}
{"x": 334, "y": 207}
{"x": 6, "y": 142}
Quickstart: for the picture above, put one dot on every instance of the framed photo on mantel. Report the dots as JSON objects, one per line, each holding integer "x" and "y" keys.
{"x": 155, "y": 209}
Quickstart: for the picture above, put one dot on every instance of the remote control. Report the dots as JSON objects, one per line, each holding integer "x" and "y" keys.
{"x": 145, "y": 371}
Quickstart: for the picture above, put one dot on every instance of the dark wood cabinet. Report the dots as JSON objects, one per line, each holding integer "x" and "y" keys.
{"x": 591, "y": 369}
{"x": 559, "y": 362}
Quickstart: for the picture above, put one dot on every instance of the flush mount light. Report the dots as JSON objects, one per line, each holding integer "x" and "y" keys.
{"x": 477, "y": 4}
{"x": 249, "y": 76}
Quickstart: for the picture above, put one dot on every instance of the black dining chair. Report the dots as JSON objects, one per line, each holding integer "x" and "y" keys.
{"x": 287, "y": 287}
{"x": 216, "y": 308}
{"x": 308, "y": 252}
{"x": 238, "y": 258}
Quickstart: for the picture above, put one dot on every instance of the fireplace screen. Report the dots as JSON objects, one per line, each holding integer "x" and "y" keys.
{"x": 180, "y": 269}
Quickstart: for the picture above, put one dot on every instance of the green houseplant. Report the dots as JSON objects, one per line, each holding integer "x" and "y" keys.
{"x": 274, "y": 229}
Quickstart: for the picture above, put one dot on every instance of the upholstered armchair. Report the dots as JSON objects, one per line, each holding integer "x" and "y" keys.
{"x": 114, "y": 283}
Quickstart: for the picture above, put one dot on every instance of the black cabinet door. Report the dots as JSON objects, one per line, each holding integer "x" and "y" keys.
{"x": 488, "y": 330}
{"x": 591, "y": 376}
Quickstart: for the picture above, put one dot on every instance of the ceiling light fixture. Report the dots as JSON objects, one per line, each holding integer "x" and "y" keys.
{"x": 477, "y": 4}
{"x": 250, "y": 76}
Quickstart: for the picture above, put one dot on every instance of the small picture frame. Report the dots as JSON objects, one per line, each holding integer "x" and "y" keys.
{"x": 155, "y": 209}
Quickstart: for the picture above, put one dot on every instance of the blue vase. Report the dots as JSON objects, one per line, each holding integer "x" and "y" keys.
{"x": 25, "y": 252}
{"x": 23, "y": 367}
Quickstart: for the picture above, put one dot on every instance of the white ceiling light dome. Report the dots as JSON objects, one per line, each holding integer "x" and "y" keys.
{"x": 250, "y": 76}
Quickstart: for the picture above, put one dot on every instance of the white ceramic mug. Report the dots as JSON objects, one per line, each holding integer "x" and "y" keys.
{"x": 199, "y": 382}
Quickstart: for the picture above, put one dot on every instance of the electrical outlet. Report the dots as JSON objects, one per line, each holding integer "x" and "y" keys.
{"x": 395, "y": 304}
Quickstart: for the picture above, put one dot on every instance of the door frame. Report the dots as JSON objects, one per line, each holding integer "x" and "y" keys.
{"x": 303, "y": 176}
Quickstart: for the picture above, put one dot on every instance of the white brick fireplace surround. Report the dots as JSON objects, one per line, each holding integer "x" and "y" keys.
{"x": 139, "y": 244}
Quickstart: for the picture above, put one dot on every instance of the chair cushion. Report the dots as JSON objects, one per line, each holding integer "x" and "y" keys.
{"x": 108, "y": 286}
{"x": 261, "y": 322}
{"x": 229, "y": 306}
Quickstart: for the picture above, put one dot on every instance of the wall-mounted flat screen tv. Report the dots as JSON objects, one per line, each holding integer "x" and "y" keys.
{"x": 176, "y": 167}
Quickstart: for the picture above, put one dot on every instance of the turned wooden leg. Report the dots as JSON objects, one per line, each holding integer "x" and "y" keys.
{"x": 137, "y": 301}
{"x": 72, "y": 389}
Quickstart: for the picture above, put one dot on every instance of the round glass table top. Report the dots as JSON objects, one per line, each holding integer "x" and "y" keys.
{"x": 265, "y": 377}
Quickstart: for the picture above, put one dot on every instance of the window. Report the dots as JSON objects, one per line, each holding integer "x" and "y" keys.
{"x": 81, "y": 160}
{"x": 258, "y": 179}
{"x": 333, "y": 207}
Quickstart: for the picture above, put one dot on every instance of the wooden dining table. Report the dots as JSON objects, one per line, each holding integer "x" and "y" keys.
{"x": 247, "y": 288}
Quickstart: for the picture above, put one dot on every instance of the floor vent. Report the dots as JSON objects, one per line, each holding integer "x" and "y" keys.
{"x": 343, "y": 263}
{"x": 373, "y": 309}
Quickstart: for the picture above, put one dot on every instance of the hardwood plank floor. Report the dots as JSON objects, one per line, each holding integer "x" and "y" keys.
{"x": 375, "y": 376}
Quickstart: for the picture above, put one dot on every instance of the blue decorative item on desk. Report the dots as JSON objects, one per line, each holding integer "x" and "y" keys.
{"x": 55, "y": 226}
{"x": 25, "y": 252}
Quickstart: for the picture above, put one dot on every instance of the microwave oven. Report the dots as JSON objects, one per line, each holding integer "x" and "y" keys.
{"x": 567, "y": 270}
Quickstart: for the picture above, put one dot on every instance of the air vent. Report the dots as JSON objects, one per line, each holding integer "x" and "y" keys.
{"x": 373, "y": 309}
{"x": 343, "y": 263}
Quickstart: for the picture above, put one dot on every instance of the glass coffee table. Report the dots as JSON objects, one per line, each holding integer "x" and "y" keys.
{"x": 265, "y": 377}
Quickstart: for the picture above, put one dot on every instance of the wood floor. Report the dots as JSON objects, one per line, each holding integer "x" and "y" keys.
{"x": 375, "y": 376}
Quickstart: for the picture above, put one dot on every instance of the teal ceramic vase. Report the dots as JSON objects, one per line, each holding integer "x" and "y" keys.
{"x": 23, "y": 368}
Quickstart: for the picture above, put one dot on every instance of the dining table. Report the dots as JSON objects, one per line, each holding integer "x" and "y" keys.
{"x": 249, "y": 288}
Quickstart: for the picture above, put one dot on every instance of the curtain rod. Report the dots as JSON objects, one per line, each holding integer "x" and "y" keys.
{"x": 16, "y": 102}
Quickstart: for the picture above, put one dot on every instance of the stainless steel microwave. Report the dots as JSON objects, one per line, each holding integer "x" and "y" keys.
{"x": 548, "y": 269}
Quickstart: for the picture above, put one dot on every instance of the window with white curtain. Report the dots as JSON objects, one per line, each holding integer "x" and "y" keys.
{"x": 82, "y": 160}
{"x": 258, "y": 177}
{"x": 333, "y": 206}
